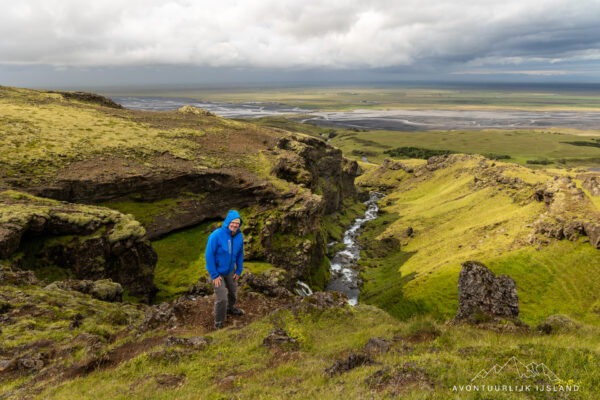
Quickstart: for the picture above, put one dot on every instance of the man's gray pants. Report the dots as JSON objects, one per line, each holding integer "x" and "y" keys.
{"x": 225, "y": 296}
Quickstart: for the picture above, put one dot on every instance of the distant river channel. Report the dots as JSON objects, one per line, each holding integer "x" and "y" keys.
{"x": 393, "y": 119}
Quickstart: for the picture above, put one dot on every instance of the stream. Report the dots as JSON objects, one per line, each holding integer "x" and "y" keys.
{"x": 344, "y": 271}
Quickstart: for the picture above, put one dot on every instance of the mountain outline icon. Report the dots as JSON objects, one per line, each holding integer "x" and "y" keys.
{"x": 530, "y": 370}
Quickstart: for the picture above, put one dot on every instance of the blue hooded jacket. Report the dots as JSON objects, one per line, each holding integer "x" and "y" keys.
{"x": 223, "y": 251}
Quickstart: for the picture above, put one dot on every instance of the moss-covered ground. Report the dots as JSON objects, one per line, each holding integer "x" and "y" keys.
{"x": 43, "y": 133}
{"x": 427, "y": 361}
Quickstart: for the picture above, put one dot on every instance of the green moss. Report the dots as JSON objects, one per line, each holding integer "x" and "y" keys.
{"x": 288, "y": 241}
{"x": 147, "y": 212}
{"x": 180, "y": 260}
{"x": 43, "y": 133}
{"x": 319, "y": 276}
{"x": 335, "y": 224}
{"x": 126, "y": 229}
{"x": 257, "y": 267}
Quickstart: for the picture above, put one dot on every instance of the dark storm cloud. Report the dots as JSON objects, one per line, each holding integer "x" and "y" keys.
{"x": 349, "y": 34}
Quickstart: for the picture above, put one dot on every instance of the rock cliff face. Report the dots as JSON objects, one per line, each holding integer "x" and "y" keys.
{"x": 591, "y": 183}
{"x": 481, "y": 293}
{"x": 90, "y": 242}
{"x": 196, "y": 195}
{"x": 284, "y": 228}
{"x": 569, "y": 214}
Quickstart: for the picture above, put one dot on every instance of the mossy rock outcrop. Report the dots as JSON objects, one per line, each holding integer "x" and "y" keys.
{"x": 86, "y": 242}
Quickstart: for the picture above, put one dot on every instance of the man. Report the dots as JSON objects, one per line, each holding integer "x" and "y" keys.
{"x": 224, "y": 262}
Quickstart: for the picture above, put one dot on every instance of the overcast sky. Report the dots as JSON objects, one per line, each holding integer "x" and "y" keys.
{"x": 112, "y": 42}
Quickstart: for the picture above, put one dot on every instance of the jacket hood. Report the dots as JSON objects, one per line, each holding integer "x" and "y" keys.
{"x": 231, "y": 215}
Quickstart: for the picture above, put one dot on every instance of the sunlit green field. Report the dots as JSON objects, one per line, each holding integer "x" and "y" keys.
{"x": 527, "y": 147}
{"x": 521, "y": 146}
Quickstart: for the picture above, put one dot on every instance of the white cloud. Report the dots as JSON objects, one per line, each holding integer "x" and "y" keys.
{"x": 514, "y": 72}
{"x": 296, "y": 34}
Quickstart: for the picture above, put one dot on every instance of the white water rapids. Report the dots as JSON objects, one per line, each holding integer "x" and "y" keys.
{"x": 344, "y": 272}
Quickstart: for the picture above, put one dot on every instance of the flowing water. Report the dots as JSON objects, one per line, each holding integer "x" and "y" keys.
{"x": 344, "y": 270}
{"x": 303, "y": 289}
{"x": 395, "y": 119}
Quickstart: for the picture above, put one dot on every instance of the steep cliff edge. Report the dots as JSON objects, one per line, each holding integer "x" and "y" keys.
{"x": 85, "y": 241}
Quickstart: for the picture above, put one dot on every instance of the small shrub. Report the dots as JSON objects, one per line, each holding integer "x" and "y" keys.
{"x": 422, "y": 327}
{"x": 539, "y": 162}
{"x": 558, "y": 323}
{"x": 118, "y": 317}
{"x": 416, "y": 152}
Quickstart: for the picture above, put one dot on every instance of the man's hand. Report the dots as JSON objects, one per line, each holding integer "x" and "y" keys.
{"x": 236, "y": 277}
{"x": 217, "y": 281}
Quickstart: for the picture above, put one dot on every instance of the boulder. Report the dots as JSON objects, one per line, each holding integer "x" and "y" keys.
{"x": 483, "y": 294}
{"x": 107, "y": 290}
{"x": 93, "y": 243}
{"x": 203, "y": 287}
{"x": 161, "y": 315}
{"x": 321, "y": 301}
{"x": 103, "y": 289}
{"x": 558, "y": 323}
{"x": 279, "y": 337}
{"x": 270, "y": 284}
{"x": 195, "y": 342}
{"x": 593, "y": 231}
{"x": 17, "y": 277}
{"x": 377, "y": 345}
{"x": 352, "y": 361}
{"x": 592, "y": 184}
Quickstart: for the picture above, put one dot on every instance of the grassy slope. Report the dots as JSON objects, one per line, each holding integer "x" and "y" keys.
{"x": 236, "y": 365}
{"x": 41, "y": 133}
{"x": 453, "y": 223}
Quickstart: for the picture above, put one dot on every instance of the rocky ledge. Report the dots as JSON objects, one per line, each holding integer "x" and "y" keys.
{"x": 88, "y": 242}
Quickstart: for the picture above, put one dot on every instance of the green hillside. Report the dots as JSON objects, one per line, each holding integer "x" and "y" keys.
{"x": 468, "y": 208}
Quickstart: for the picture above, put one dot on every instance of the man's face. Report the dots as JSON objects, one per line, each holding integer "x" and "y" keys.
{"x": 233, "y": 226}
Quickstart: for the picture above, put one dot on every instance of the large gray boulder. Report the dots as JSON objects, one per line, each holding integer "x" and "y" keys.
{"x": 482, "y": 294}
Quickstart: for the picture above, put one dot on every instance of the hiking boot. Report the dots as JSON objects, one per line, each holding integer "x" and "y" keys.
{"x": 218, "y": 325}
{"x": 235, "y": 311}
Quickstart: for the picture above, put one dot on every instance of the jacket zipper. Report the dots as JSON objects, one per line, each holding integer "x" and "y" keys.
{"x": 230, "y": 253}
